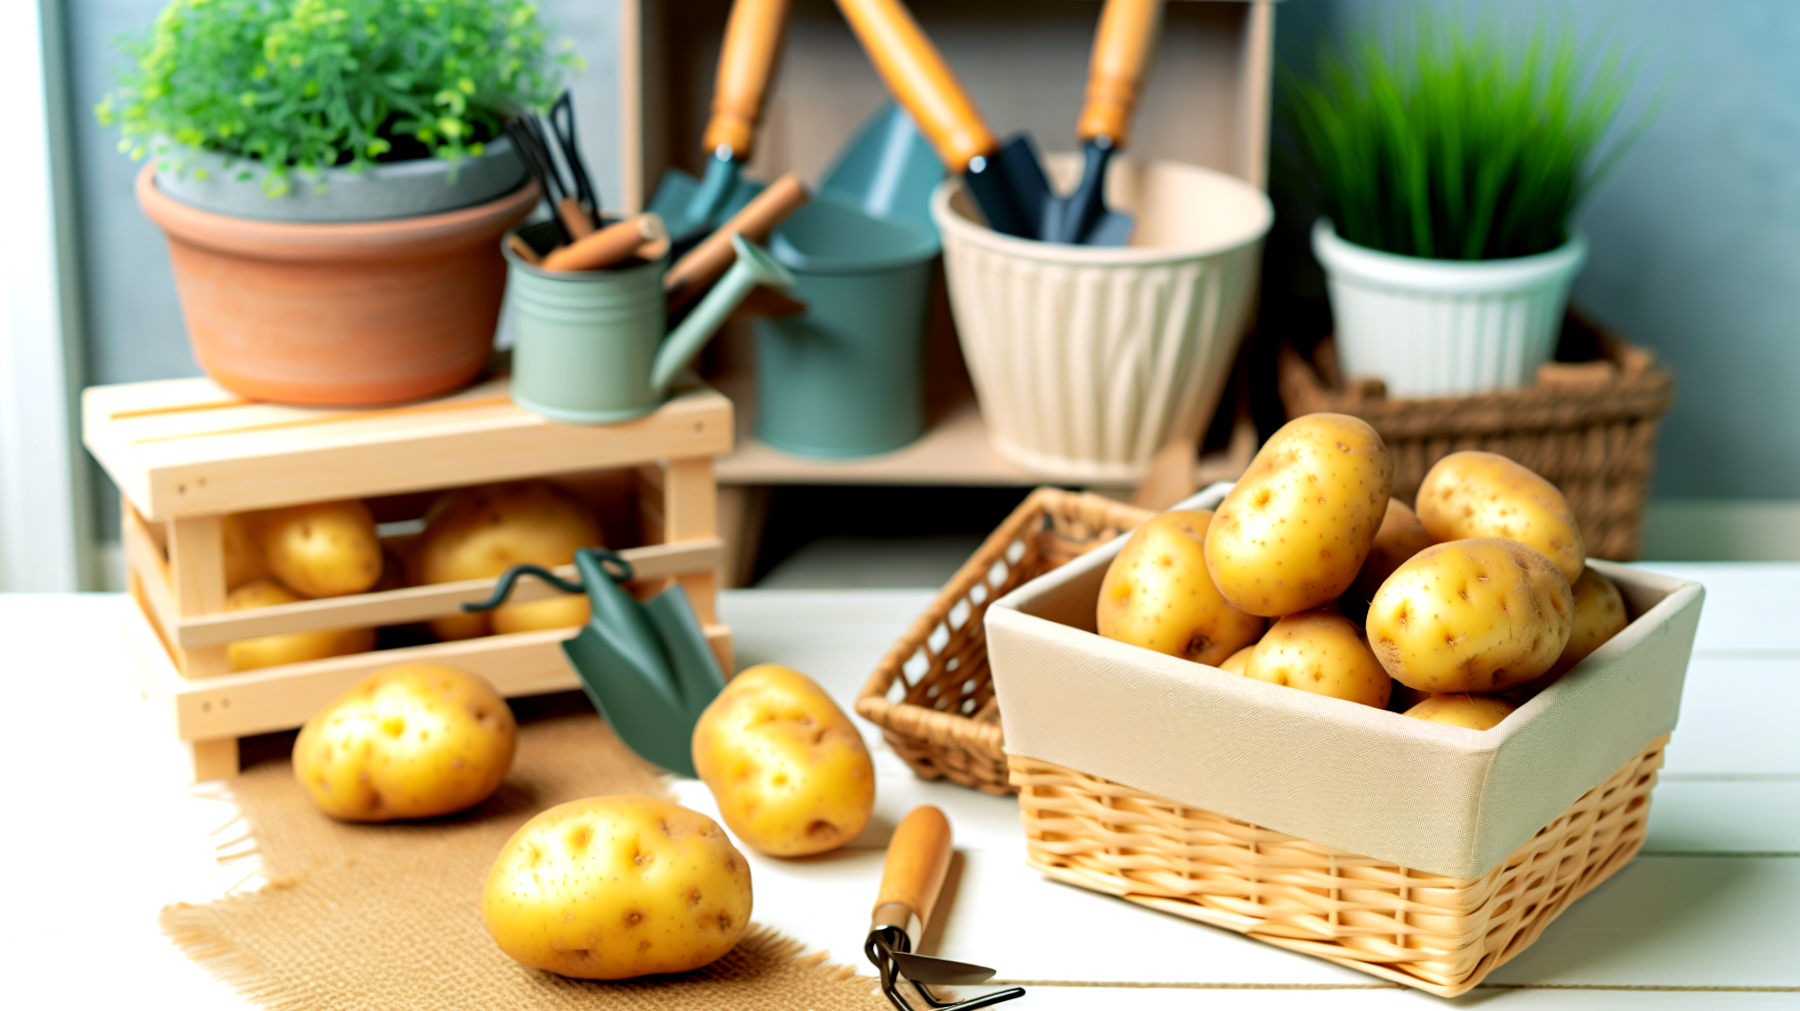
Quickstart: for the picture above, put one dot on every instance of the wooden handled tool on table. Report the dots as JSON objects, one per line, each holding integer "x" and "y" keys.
{"x": 706, "y": 262}
{"x": 747, "y": 61}
{"x": 922, "y": 83}
{"x": 1123, "y": 46}
{"x": 918, "y": 859}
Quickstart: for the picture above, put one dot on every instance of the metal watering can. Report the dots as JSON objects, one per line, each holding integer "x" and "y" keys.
{"x": 647, "y": 667}
{"x": 593, "y": 347}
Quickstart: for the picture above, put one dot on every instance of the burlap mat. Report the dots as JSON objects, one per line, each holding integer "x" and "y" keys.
{"x": 387, "y": 916}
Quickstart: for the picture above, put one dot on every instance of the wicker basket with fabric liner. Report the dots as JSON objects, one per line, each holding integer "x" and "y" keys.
{"x": 1425, "y": 854}
{"x": 1588, "y": 425}
{"x": 932, "y": 695}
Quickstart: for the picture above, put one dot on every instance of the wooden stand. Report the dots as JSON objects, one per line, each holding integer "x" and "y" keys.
{"x": 186, "y": 453}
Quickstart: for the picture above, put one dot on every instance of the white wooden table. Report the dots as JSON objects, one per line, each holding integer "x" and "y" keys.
{"x": 98, "y": 835}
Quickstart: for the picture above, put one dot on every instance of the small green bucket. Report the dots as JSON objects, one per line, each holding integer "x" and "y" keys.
{"x": 593, "y": 348}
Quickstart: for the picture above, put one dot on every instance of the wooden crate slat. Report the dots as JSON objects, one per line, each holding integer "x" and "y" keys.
{"x": 282, "y": 698}
{"x": 251, "y": 417}
{"x": 419, "y": 603}
{"x": 271, "y": 456}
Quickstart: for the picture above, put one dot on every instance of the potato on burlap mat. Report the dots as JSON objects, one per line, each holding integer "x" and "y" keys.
{"x": 388, "y": 916}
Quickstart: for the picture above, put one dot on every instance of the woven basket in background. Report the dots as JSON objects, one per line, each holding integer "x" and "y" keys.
{"x": 932, "y": 694}
{"x": 1588, "y": 427}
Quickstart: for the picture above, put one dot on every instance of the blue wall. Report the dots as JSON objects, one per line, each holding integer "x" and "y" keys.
{"x": 1696, "y": 239}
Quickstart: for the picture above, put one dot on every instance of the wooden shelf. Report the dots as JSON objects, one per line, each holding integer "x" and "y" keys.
{"x": 954, "y": 451}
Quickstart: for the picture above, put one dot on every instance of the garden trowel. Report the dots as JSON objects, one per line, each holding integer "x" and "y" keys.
{"x": 691, "y": 207}
{"x": 647, "y": 667}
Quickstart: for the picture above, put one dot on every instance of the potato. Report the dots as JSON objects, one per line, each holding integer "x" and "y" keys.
{"x": 1473, "y": 494}
{"x": 1293, "y": 533}
{"x": 414, "y": 740}
{"x": 616, "y": 887}
{"x": 1157, "y": 594}
{"x": 290, "y": 647}
{"x": 1320, "y": 652}
{"x": 1480, "y": 615}
{"x": 1237, "y": 662}
{"x": 1400, "y": 537}
{"x": 480, "y": 532}
{"x": 1477, "y": 712}
{"x": 1599, "y": 615}
{"x": 326, "y": 549}
{"x": 552, "y": 612}
{"x": 790, "y": 772}
{"x": 244, "y": 561}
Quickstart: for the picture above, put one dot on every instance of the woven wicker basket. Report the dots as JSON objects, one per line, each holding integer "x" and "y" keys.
{"x": 932, "y": 695}
{"x": 1588, "y": 428}
{"x": 1438, "y": 934}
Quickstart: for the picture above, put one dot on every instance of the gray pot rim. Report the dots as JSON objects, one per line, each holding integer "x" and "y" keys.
{"x": 384, "y": 191}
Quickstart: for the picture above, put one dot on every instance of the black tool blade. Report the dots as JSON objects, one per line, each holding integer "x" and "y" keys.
{"x": 996, "y": 188}
{"x": 939, "y": 971}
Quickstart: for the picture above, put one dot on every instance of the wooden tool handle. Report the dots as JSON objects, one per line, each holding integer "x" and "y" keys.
{"x": 920, "y": 80}
{"x": 1122, "y": 47}
{"x": 576, "y": 220}
{"x": 918, "y": 857}
{"x": 607, "y": 246}
{"x": 713, "y": 256}
{"x": 746, "y": 62}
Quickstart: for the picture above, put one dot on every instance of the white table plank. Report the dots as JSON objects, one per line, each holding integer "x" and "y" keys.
{"x": 1750, "y": 606}
{"x": 1375, "y": 998}
{"x": 1675, "y": 921}
{"x": 1730, "y": 817}
{"x": 1736, "y": 718}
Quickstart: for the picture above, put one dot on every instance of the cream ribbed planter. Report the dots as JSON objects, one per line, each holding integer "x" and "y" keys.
{"x": 1435, "y": 328}
{"x": 1087, "y": 359}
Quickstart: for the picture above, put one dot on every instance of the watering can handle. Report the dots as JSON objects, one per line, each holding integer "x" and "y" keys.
{"x": 1122, "y": 48}
{"x": 504, "y": 588}
{"x": 746, "y": 62}
{"x": 920, "y": 80}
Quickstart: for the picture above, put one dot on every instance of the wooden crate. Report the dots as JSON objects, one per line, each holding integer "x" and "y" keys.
{"x": 186, "y": 453}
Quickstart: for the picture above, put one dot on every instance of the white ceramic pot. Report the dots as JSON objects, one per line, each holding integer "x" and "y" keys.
{"x": 1437, "y": 328}
{"x": 1086, "y": 359}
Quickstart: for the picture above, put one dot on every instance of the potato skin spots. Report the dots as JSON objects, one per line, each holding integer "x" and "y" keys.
{"x": 616, "y": 887}
{"x": 1321, "y": 652}
{"x": 1474, "y": 494}
{"x": 414, "y": 740}
{"x": 1600, "y": 614}
{"x": 789, "y": 770}
{"x": 1484, "y": 615}
{"x": 1296, "y": 529}
{"x": 1159, "y": 595}
{"x": 1400, "y": 537}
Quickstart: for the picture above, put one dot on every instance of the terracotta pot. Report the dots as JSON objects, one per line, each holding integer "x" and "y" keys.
{"x": 342, "y": 314}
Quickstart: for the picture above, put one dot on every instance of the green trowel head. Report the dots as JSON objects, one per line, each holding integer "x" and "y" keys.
{"x": 647, "y": 667}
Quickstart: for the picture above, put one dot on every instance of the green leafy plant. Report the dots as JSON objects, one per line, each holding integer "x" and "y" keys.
{"x": 302, "y": 85}
{"x": 1460, "y": 142}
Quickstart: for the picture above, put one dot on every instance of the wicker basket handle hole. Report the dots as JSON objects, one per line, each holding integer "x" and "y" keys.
{"x": 959, "y": 614}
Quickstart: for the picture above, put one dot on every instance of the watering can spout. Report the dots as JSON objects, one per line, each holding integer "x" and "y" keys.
{"x": 752, "y": 267}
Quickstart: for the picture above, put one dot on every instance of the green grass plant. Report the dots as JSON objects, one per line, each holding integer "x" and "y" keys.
{"x": 301, "y": 85}
{"x": 1459, "y": 141}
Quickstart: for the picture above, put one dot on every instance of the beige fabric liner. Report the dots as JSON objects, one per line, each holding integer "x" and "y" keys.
{"x": 387, "y": 916}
